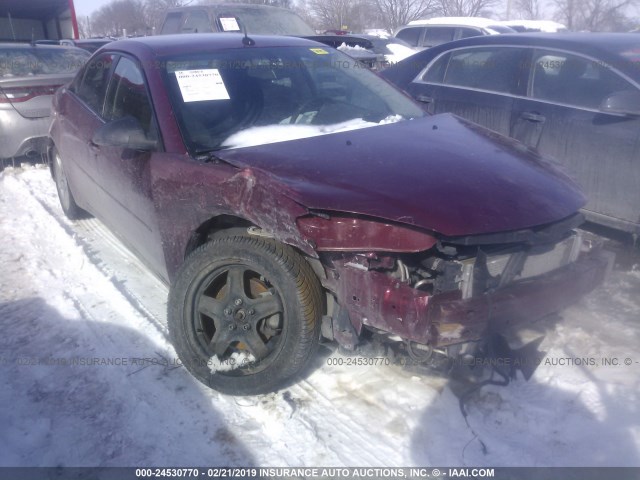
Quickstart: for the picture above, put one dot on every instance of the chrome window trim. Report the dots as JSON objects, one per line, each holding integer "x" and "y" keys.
{"x": 418, "y": 78}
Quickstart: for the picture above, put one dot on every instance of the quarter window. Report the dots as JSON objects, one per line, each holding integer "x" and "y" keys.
{"x": 573, "y": 80}
{"x": 93, "y": 87}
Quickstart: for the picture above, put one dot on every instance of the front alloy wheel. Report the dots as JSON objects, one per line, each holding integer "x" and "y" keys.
{"x": 244, "y": 314}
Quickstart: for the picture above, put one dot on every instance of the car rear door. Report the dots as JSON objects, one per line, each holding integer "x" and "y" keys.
{"x": 80, "y": 114}
{"x": 476, "y": 83}
{"x": 562, "y": 119}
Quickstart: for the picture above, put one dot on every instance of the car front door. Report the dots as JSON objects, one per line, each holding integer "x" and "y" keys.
{"x": 562, "y": 118}
{"x": 125, "y": 173}
{"x": 476, "y": 83}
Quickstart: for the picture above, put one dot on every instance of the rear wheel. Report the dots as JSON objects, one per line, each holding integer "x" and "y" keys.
{"x": 68, "y": 204}
{"x": 244, "y": 314}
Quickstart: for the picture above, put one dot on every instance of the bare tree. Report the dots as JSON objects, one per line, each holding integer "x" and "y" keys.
{"x": 466, "y": 8}
{"x": 84, "y": 27}
{"x": 273, "y": 3}
{"x": 155, "y": 9}
{"x": 339, "y": 14}
{"x": 527, "y": 9}
{"x": 395, "y": 13}
{"x": 118, "y": 17}
{"x": 594, "y": 15}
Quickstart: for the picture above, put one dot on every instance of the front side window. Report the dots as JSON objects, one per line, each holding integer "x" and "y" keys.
{"x": 95, "y": 79}
{"x": 496, "y": 69}
{"x": 573, "y": 80}
{"x": 271, "y": 92}
{"x": 128, "y": 96}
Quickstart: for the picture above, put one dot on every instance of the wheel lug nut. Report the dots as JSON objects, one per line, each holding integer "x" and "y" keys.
{"x": 228, "y": 311}
{"x": 238, "y": 301}
{"x": 252, "y": 311}
{"x": 232, "y": 327}
{"x": 245, "y": 327}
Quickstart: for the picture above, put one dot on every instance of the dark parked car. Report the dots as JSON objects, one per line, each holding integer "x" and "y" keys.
{"x": 572, "y": 97}
{"x": 284, "y": 193}
{"x": 260, "y": 20}
{"x": 29, "y": 75}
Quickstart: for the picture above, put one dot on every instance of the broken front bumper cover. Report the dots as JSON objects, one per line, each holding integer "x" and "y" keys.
{"x": 374, "y": 299}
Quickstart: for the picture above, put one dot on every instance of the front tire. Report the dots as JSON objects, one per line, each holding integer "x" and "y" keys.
{"x": 244, "y": 314}
{"x": 67, "y": 202}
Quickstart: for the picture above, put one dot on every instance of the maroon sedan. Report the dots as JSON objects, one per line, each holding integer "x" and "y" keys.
{"x": 286, "y": 193}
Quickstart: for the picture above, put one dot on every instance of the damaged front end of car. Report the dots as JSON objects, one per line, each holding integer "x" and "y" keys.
{"x": 441, "y": 298}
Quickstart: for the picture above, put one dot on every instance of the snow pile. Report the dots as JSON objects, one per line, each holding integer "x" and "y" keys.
{"x": 351, "y": 48}
{"x": 71, "y": 292}
{"x": 400, "y": 52}
{"x": 281, "y": 133}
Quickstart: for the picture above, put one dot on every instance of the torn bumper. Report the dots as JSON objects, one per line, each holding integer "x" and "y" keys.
{"x": 374, "y": 299}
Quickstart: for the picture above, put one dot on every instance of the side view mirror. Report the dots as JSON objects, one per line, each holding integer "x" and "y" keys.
{"x": 124, "y": 132}
{"x": 625, "y": 103}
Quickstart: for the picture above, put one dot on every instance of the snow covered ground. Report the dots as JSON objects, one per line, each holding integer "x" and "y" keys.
{"x": 88, "y": 375}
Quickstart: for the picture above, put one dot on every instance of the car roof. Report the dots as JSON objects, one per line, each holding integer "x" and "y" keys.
{"x": 549, "y": 24}
{"x": 463, "y": 21}
{"x": 160, "y": 45}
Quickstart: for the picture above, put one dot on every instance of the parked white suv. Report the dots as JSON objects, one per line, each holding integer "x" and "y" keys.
{"x": 423, "y": 34}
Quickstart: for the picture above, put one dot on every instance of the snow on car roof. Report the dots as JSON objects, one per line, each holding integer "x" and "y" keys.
{"x": 466, "y": 21}
{"x": 542, "y": 25}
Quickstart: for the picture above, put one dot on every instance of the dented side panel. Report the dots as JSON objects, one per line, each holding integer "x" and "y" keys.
{"x": 187, "y": 193}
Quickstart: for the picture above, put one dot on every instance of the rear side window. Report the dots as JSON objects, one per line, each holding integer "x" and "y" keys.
{"x": 172, "y": 23}
{"x": 496, "y": 69}
{"x": 95, "y": 79}
{"x": 435, "y": 72}
{"x": 438, "y": 35}
{"x": 573, "y": 80}
{"x": 410, "y": 35}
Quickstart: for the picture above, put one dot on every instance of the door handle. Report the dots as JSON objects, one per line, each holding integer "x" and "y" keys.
{"x": 533, "y": 117}
{"x": 424, "y": 99}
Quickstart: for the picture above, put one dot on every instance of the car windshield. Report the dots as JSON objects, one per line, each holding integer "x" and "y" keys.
{"x": 264, "y": 21}
{"x": 244, "y": 97}
{"x": 30, "y": 61}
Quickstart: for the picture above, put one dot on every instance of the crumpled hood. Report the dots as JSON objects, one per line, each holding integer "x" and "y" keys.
{"x": 440, "y": 173}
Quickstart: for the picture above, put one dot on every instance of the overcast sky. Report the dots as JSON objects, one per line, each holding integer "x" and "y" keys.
{"x": 87, "y": 7}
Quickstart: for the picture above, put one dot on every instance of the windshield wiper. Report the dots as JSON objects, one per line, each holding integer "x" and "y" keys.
{"x": 209, "y": 156}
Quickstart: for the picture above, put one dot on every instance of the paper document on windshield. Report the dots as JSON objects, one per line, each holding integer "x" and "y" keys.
{"x": 201, "y": 85}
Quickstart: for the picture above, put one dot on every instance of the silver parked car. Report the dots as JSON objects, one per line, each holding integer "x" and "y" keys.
{"x": 29, "y": 76}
